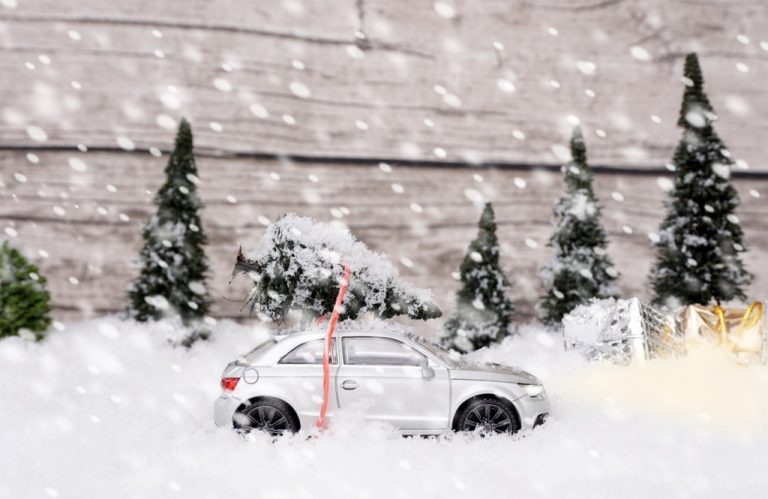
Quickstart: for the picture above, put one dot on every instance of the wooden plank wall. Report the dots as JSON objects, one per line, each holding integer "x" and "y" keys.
{"x": 498, "y": 81}
{"x": 293, "y": 76}
{"x": 90, "y": 229}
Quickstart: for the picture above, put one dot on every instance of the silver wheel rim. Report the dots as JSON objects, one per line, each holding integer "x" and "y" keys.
{"x": 267, "y": 418}
{"x": 488, "y": 418}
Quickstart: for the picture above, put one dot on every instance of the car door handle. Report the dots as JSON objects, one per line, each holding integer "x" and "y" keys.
{"x": 349, "y": 384}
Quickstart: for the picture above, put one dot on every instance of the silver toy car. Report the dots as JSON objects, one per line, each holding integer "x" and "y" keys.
{"x": 393, "y": 376}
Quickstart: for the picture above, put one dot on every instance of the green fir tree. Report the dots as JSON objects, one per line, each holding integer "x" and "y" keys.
{"x": 483, "y": 312}
{"x": 172, "y": 263}
{"x": 581, "y": 268}
{"x": 24, "y": 301}
{"x": 298, "y": 267}
{"x": 700, "y": 240}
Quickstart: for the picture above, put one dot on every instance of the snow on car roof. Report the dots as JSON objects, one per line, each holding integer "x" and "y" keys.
{"x": 368, "y": 326}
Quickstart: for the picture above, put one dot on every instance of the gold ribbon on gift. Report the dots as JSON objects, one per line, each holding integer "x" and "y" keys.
{"x": 740, "y": 330}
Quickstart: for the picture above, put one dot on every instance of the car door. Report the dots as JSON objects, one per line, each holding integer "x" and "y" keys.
{"x": 301, "y": 376}
{"x": 394, "y": 382}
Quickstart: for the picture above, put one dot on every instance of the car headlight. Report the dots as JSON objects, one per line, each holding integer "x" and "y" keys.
{"x": 534, "y": 391}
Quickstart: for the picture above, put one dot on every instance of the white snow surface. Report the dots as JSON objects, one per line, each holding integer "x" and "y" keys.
{"x": 599, "y": 320}
{"x": 106, "y": 408}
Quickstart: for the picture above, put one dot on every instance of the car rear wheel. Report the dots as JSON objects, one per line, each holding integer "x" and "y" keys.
{"x": 488, "y": 415}
{"x": 270, "y": 415}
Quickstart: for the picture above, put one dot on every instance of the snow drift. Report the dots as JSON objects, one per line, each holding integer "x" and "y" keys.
{"x": 107, "y": 408}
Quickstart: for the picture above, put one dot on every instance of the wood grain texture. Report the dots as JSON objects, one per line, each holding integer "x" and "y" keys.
{"x": 349, "y": 82}
{"x": 430, "y": 223}
{"x": 220, "y": 57}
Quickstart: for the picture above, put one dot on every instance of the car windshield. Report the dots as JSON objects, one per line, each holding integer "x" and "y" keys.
{"x": 450, "y": 358}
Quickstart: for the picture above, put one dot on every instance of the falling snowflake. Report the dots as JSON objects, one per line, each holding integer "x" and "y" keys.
{"x": 299, "y": 89}
{"x": 445, "y": 10}
{"x": 640, "y": 53}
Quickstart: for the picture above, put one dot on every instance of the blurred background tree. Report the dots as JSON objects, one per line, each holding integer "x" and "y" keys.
{"x": 24, "y": 301}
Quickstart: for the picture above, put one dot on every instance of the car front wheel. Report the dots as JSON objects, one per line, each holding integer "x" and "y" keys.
{"x": 488, "y": 415}
{"x": 272, "y": 416}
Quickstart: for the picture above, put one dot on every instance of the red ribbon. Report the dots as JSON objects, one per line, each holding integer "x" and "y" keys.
{"x": 320, "y": 423}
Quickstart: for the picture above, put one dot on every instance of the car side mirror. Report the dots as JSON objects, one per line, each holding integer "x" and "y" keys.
{"x": 427, "y": 372}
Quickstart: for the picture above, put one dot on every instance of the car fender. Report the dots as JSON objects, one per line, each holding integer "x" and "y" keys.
{"x": 265, "y": 387}
{"x": 463, "y": 390}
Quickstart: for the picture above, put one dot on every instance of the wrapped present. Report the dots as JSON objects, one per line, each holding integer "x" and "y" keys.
{"x": 741, "y": 330}
{"x": 622, "y": 331}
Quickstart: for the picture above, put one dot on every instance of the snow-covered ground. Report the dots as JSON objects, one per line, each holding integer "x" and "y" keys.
{"x": 105, "y": 409}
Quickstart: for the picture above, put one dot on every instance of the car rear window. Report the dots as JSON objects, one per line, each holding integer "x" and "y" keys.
{"x": 260, "y": 350}
{"x": 310, "y": 352}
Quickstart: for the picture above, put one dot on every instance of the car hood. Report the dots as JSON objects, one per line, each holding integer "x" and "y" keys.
{"x": 490, "y": 371}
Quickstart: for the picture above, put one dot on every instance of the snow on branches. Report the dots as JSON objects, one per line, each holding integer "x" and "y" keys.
{"x": 580, "y": 268}
{"x": 172, "y": 263}
{"x": 298, "y": 266}
{"x": 700, "y": 240}
{"x": 483, "y": 312}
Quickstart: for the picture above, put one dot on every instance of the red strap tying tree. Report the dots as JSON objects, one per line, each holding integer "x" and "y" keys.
{"x": 320, "y": 423}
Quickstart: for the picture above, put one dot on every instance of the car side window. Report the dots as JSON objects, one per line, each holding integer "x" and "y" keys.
{"x": 377, "y": 351}
{"x": 310, "y": 352}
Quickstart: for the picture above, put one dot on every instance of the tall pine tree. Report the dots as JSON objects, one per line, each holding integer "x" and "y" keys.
{"x": 483, "y": 312}
{"x": 700, "y": 240}
{"x": 172, "y": 263}
{"x": 24, "y": 301}
{"x": 580, "y": 269}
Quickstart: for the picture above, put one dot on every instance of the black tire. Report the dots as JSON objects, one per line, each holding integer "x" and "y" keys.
{"x": 488, "y": 415}
{"x": 270, "y": 415}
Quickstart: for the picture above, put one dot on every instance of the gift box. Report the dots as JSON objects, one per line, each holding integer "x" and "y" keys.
{"x": 622, "y": 331}
{"x": 740, "y": 330}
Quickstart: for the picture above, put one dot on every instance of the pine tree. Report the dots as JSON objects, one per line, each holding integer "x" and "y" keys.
{"x": 581, "y": 268}
{"x": 24, "y": 301}
{"x": 483, "y": 312}
{"x": 700, "y": 240}
{"x": 298, "y": 266}
{"x": 172, "y": 263}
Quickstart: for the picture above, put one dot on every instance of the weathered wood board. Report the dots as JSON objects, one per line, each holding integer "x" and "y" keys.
{"x": 348, "y": 82}
{"x": 295, "y": 77}
{"x": 75, "y": 217}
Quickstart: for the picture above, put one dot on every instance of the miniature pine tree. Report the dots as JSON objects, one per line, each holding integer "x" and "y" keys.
{"x": 298, "y": 265}
{"x": 172, "y": 263}
{"x": 580, "y": 269}
{"x": 483, "y": 312}
{"x": 700, "y": 240}
{"x": 24, "y": 301}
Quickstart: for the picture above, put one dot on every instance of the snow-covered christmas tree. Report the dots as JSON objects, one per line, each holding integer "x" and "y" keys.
{"x": 298, "y": 266}
{"x": 24, "y": 301}
{"x": 172, "y": 263}
{"x": 700, "y": 240}
{"x": 483, "y": 312}
{"x": 580, "y": 268}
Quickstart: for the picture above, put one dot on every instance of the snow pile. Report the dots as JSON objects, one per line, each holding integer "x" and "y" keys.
{"x": 106, "y": 409}
{"x": 600, "y": 321}
{"x": 299, "y": 261}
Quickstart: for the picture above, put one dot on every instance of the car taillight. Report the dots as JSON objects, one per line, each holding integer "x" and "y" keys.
{"x": 229, "y": 384}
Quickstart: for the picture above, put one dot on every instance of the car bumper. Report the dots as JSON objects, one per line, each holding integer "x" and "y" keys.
{"x": 224, "y": 409}
{"x": 533, "y": 411}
